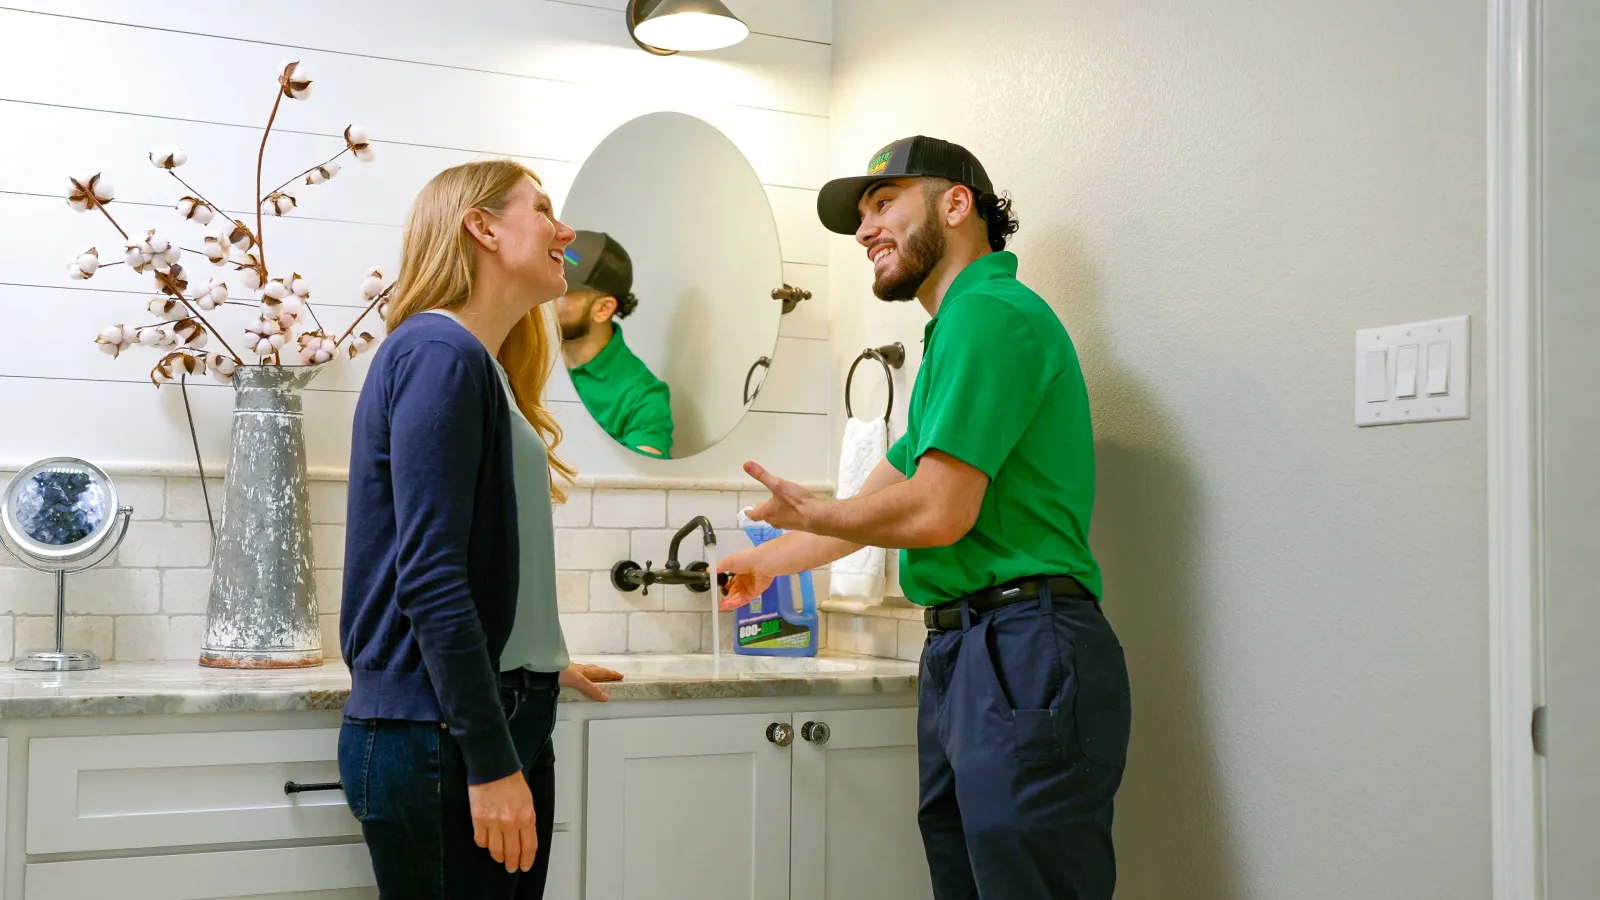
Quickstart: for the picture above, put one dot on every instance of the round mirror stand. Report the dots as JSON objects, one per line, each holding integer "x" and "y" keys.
{"x": 56, "y": 549}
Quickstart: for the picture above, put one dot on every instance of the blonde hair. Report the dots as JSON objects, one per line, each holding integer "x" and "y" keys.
{"x": 436, "y": 269}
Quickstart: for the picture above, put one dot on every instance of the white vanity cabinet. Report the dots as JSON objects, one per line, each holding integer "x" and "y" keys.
{"x": 711, "y": 797}
{"x": 797, "y": 805}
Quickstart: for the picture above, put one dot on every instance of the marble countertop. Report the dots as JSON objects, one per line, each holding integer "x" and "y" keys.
{"x": 164, "y": 688}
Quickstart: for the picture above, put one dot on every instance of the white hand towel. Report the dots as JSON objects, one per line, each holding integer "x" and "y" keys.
{"x": 861, "y": 574}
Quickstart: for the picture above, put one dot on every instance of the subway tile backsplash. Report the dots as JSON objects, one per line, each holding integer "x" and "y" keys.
{"x": 149, "y": 601}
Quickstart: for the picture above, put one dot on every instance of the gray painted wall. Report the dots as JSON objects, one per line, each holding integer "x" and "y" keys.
{"x": 1214, "y": 197}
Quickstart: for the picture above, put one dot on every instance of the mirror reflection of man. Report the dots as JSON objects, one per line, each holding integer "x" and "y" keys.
{"x": 624, "y": 396}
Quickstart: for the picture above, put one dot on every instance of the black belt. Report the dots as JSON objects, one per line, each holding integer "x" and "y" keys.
{"x": 947, "y": 616}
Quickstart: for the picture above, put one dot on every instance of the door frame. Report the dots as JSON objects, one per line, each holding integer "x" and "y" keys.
{"x": 1514, "y": 348}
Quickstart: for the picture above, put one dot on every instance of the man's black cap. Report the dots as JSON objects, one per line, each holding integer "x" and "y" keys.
{"x": 595, "y": 261}
{"x": 912, "y": 157}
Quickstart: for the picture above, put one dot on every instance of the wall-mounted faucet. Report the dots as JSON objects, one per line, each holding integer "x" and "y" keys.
{"x": 628, "y": 575}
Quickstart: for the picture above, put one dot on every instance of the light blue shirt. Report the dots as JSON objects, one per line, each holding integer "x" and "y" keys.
{"x": 536, "y": 642}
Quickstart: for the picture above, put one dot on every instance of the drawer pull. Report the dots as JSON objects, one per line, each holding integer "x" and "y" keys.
{"x": 295, "y": 787}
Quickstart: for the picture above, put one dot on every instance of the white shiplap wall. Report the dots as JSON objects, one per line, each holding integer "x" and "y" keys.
{"x": 91, "y": 84}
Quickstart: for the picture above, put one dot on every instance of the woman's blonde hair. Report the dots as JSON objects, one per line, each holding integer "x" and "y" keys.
{"x": 436, "y": 269}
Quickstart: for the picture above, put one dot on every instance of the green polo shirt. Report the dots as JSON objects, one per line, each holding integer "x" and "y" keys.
{"x": 626, "y": 398}
{"x": 1000, "y": 389}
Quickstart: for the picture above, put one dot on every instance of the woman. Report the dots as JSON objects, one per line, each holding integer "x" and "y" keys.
{"x": 449, "y": 623}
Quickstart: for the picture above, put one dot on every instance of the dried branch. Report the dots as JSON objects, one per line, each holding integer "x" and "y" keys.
{"x": 261, "y": 156}
{"x": 202, "y": 200}
{"x": 364, "y": 313}
{"x": 263, "y": 197}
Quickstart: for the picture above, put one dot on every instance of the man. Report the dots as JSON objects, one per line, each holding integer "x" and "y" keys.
{"x": 624, "y": 396}
{"x": 1023, "y": 707}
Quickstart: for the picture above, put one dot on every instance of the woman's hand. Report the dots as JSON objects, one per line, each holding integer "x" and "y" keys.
{"x": 751, "y": 576}
{"x": 503, "y": 820}
{"x": 581, "y": 677}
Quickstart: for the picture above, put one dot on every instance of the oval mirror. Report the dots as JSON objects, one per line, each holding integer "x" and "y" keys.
{"x": 669, "y": 323}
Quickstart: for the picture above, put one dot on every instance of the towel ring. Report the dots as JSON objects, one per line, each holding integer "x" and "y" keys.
{"x": 889, "y": 356}
{"x": 764, "y": 362}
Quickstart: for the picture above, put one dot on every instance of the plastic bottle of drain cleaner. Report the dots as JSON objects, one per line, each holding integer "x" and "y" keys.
{"x": 773, "y": 624}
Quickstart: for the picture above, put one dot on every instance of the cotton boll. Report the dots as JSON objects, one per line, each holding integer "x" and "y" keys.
{"x": 103, "y": 191}
{"x": 159, "y": 376}
{"x": 79, "y": 204}
{"x": 187, "y": 206}
{"x": 322, "y": 356}
{"x": 331, "y": 168}
{"x": 328, "y": 345}
{"x": 250, "y": 278}
{"x": 294, "y": 306}
{"x": 75, "y": 273}
{"x": 130, "y": 334}
{"x": 277, "y": 341}
{"x": 372, "y": 285}
{"x": 270, "y": 327}
{"x": 152, "y": 337}
{"x": 108, "y": 348}
{"x": 264, "y": 347}
{"x": 202, "y": 214}
{"x": 158, "y": 244}
{"x": 356, "y": 134}
{"x": 253, "y": 328}
{"x": 111, "y": 334}
{"x": 286, "y": 321}
{"x": 88, "y": 260}
{"x": 135, "y": 257}
{"x": 315, "y": 177}
{"x": 364, "y": 153}
{"x": 300, "y": 286}
{"x": 223, "y": 365}
{"x": 179, "y": 157}
{"x": 219, "y": 291}
{"x": 275, "y": 289}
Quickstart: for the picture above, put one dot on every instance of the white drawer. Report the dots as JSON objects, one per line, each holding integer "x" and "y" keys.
{"x": 341, "y": 872}
{"x": 172, "y": 790}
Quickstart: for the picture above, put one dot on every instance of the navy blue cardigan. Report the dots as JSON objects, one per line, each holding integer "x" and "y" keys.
{"x": 430, "y": 565}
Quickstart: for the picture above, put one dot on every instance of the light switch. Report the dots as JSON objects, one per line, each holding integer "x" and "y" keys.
{"x": 1416, "y": 372}
{"x": 1377, "y": 376}
{"x": 1405, "y": 371}
{"x": 1438, "y": 368}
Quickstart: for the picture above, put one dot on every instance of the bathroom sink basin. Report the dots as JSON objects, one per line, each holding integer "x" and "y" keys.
{"x": 701, "y": 665}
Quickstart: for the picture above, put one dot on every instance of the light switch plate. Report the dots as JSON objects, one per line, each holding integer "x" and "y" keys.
{"x": 1420, "y": 339}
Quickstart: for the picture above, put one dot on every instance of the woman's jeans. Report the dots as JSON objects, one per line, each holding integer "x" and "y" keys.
{"x": 406, "y": 782}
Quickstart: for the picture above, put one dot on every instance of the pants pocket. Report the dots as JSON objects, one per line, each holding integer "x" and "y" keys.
{"x": 1103, "y": 705}
{"x": 355, "y": 758}
{"x": 1037, "y": 733}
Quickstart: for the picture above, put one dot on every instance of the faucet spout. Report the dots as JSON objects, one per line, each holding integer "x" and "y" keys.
{"x": 708, "y": 536}
{"x": 628, "y": 575}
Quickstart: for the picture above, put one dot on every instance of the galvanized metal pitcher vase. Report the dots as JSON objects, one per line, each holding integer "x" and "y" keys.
{"x": 263, "y": 609}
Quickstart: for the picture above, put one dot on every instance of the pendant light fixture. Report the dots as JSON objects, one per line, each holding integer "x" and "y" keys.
{"x": 664, "y": 27}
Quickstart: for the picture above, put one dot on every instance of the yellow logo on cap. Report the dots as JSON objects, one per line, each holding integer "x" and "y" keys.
{"x": 880, "y": 162}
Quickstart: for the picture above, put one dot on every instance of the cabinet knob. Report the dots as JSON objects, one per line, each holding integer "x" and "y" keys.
{"x": 816, "y": 732}
{"x": 780, "y": 733}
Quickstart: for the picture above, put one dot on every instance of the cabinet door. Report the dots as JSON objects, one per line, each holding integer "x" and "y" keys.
{"x": 855, "y": 831}
{"x": 687, "y": 808}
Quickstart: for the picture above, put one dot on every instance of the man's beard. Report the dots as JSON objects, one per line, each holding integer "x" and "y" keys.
{"x": 577, "y": 331}
{"x": 916, "y": 259}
